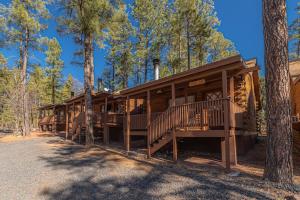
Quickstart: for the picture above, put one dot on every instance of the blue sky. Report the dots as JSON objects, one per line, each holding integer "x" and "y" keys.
{"x": 241, "y": 22}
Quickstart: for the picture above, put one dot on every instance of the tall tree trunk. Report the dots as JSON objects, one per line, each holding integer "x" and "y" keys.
{"x": 113, "y": 78}
{"x": 23, "y": 61}
{"x": 92, "y": 68}
{"x": 146, "y": 62}
{"x": 279, "y": 165}
{"x": 53, "y": 90}
{"x": 88, "y": 89}
{"x": 298, "y": 48}
{"x": 188, "y": 43}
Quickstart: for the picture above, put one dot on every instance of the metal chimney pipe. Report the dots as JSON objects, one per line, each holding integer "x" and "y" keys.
{"x": 156, "y": 68}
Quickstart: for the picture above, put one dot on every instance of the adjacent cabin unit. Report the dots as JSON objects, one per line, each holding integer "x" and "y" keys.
{"x": 52, "y": 118}
{"x": 107, "y": 116}
{"x": 295, "y": 82}
{"x": 218, "y": 101}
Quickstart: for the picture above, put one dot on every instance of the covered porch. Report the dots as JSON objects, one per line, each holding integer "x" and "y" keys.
{"x": 197, "y": 103}
{"x": 52, "y": 118}
{"x": 107, "y": 113}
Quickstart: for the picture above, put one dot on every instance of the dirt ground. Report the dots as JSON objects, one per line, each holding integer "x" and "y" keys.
{"x": 43, "y": 166}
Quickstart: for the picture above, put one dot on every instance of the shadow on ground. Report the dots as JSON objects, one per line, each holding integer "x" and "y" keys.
{"x": 103, "y": 175}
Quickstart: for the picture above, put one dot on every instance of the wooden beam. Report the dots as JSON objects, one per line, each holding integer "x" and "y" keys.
{"x": 232, "y": 139}
{"x": 175, "y": 154}
{"x": 105, "y": 131}
{"x": 201, "y": 133}
{"x": 148, "y": 123}
{"x": 67, "y": 121}
{"x": 186, "y": 101}
{"x": 139, "y": 133}
{"x": 73, "y": 118}
{"x": 226, "y": 121}
{"x": 127, "y": 136}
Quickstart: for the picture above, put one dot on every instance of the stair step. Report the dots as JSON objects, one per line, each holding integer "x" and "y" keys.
{"x": 160, "y": 143}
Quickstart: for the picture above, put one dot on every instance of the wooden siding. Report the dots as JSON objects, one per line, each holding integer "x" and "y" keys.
{"x": 296, "y": 98}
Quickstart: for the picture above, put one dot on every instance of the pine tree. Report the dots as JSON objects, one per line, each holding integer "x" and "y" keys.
{"x": 150, "y": 17}
{"x": 3, "y": 61}
{"x": 279, "y": 162}
{"x": 10, "y": 99}
{"x": 294, "y": 35}
{"x": 86, "y": 21}
{"x": 39, "y": 92}
{"x": 193, "y": 36}
{"x": 218, "y": 47}
{"x": 24, "y": 24}
{"x": 120, "y": 54}
{"x": 54, "y": 67}
{"x": 67, "y": 88}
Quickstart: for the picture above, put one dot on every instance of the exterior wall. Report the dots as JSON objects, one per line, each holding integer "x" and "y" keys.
{"x": 250, "y": 115}
{"x": 296, "y": 98}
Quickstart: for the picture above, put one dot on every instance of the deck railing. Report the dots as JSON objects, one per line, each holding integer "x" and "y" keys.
{"x": 139, "y": 121}
{"x": 202, "y": 115}
{"x": 112, "y": 118}
{"x": 47, "y": 120}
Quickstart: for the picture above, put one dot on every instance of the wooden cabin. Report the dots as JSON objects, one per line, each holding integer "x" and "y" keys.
{"x": 215, "y": 103}
{"x": 107, "y": 117}
{"x": 52, "y": 117}
{"x": 295, "y": 82}
{"x": 217, "y": 100}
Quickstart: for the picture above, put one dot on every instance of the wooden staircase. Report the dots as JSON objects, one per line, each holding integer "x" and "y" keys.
{"x": 161, "y": 143}
{"x": 78, "y": 129}
{"x": 208, "y": 114}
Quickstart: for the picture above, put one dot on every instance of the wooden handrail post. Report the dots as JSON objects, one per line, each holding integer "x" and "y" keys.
{"x": 226, "y": 120}
{"x": 106, "y": 137}
{"x": 173, "y": 128}
{"x": 148, "y": 123}
{"x": 67, "y": 121}
{"x": 127, "y": 135}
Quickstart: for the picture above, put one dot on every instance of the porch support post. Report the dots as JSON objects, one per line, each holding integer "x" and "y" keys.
{"x": 73, "y": 119}
{"x": 233, "y": 154}
{"x": 225, "y": 147}
{"x": 127, "y": 135}
{"x": 105, "y": 128}
{"x": 187, "y": 108}
{"x": 54, "y": 125}
{"x": 174, "y": 131}
{"x": 148, "y": 123}
{"x": 67, "y": 121}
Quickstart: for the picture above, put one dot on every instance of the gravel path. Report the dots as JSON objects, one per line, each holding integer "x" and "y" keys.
{"x": 48, "y": 168}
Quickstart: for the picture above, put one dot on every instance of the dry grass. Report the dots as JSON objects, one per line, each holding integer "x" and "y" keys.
{"x": 15, "y": 138}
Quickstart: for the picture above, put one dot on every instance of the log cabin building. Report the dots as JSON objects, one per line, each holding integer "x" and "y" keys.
{"x": 295, "y": 82}
{"x": 217, "y": 101}
{"x": 52, "y": 118}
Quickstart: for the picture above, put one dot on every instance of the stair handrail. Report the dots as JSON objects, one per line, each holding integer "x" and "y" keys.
{"x": 167, "y": 121}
